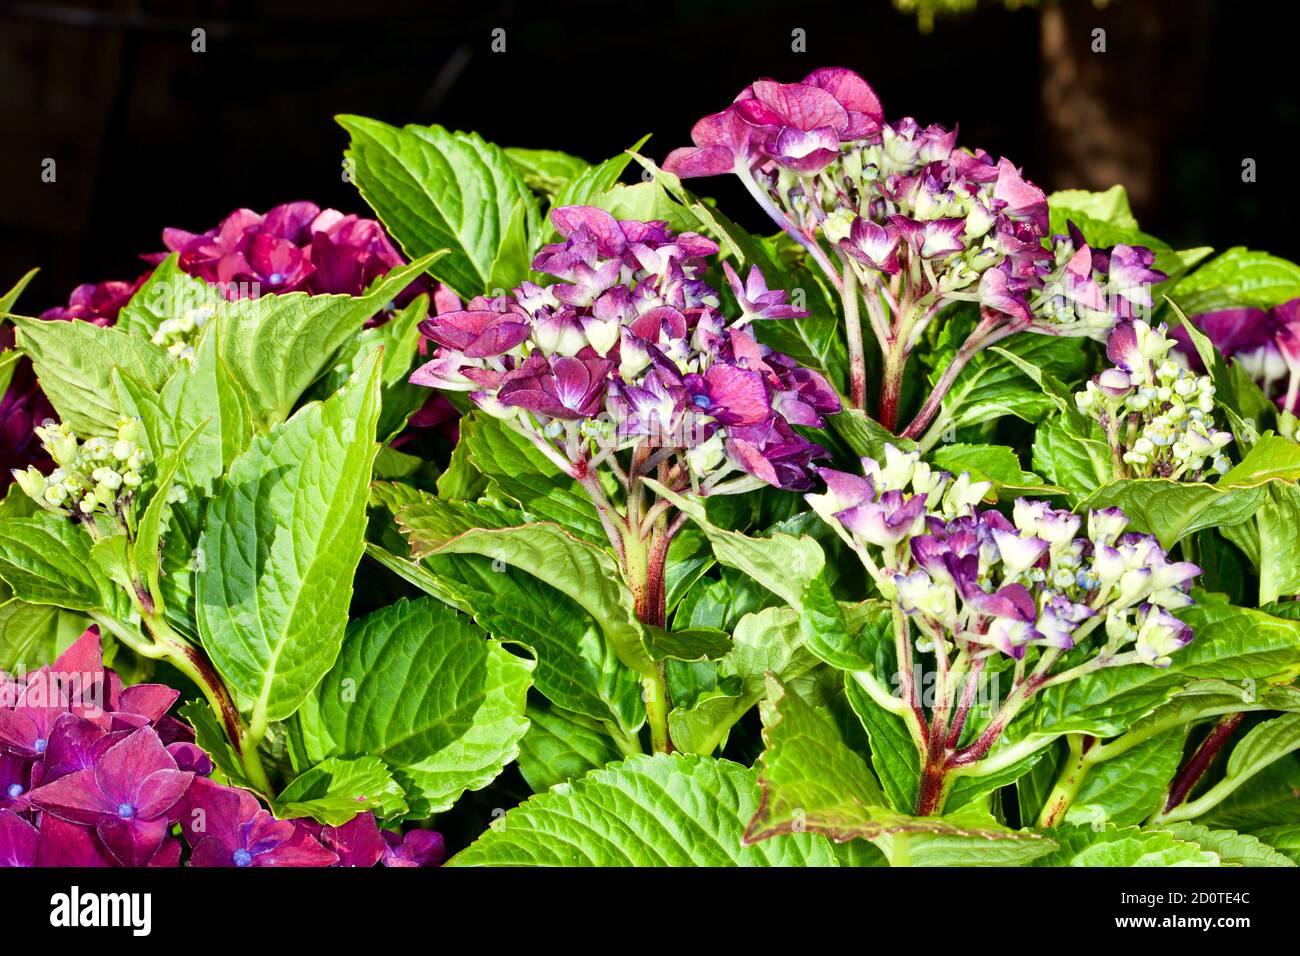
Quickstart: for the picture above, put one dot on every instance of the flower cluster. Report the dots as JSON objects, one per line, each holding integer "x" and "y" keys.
{"x": 97, "y": 304}
{"x": 93, "y": 773}
{"x": 629, "y": 348}
{"x": 1264, "y": 342}
{"x": 293, "y": 247}
{"x": 898, "y": 198}
{"x": 1157, "y": 414}
{"x": 899, "y": 211}
{"x": 96, "y": 476}
{"x": 180, "y": 334}
{"x": 992, "y": 584}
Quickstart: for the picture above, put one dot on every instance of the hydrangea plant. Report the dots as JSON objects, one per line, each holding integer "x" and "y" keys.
{"x": 1010, "y": 598}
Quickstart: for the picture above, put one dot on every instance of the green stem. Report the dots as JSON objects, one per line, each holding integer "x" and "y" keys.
{"x": 1067, "y": 784}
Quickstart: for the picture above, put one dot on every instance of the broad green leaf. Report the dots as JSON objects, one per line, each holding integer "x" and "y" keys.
{"x": 1268, "y": 540}
{"x": 167, "y": 294}
{"x": 400, "y": 339}
{"x": 436, "y": 189}
{"x": 810, "y": 778}
{"x": 561, "y": 747}
{"x": 546, "y": 170}
{"x": 416, "y": 575}
{"x": 1111, "y": 207}
{"x": 996, "y": 463}
{"x": 418, "y": 686}
{"x": 1071, "y": 451}
{"x": 894, "y": 756}
{"x": 1129, "y": 788}
{"x": 462, "y": 481}
{"x": 1233, "y": 848}
{"x": 336, "y": 790}
{"x": 577, "y": 668}
{"x": 8, "y": 362}
{"x": 865, "y": 436}
{"x": 585, "y": 573}
{"x": 687, "y": 644}
{"x": 277, "y": 345}
{"x": 1268, "y": 799}
{"x": 45, "y": 559}
{"x": 526, "y": 476}
{"x": 74, "y": 362}
{"x": 1285, "y": 839}
{"x": 594, "y": 181}
{"x": 1266, "y": 743}
{"x": 1128, "y": 846}
{"x": 281, "y": 542}
{"x": 991, "y": 386}
{"x": 1238, "y": 278}
{"x": 32, "y": 635}
{"x": 666, "y": 810}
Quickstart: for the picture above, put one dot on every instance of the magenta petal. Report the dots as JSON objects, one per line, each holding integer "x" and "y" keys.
{"x": 301, "y": 849}
{"x": 127, "y": 763}
{"x": 568, "y": 220}
{"x": 75, "y": 798}
{"x": 67, "y": 844}
{"x": 133, "y": 842}
{"x": 150, "y": 701}
{"x": 850, "y": 90}
{"x": 159, "y": 792}
{"x": 417, "y": 848}
{"x": 357, "y": 842}
{"x": 689, "y": 162}
{"x": 805, "y": 107}
{"x": 18, "y": 840}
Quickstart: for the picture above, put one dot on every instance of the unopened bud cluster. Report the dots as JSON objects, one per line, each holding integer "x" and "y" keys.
{"x": 90, "y": 477}
{"x": 179, "y": 335}
{"x": 1157, "y": 414}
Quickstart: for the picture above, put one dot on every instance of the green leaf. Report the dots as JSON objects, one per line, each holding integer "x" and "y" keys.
{"x": 561, "y": 747}
{"x": 462, "y": 481}
{"x": 45, "y": 559}
{"x": 10, "y": 298}
{"x": 1233, "y": 848}
{"x": 9, "y": 360}
{"x": 1268, "y": 539}
{"x": 545, "y": 170}
{"x": 277, "y": 345}
{"x": 436, "y": 189}
{"x": 32, "y": 635}
{"x": 335, "y": 790}
{"x": 147, "y": 546}
{"x": 993, "y": 386}
{"x": 1110, "y": 207}
{"x": 865, "y": 436}
{"x": 585, "y": 573}
{"x": 1285, "y": 839}
{"x": 418, "y": 686}
{"x": 1268, "y": 799}
{"x": 1130, "y": 787}
{"x": 1129, "y": 846}
{"x": 1071, "y": 451}
{"x": 281, "y": 542}
{"x": 893, "y": 752}
{"x": 594, "y": 181}
{"x": 400, "y": 339}
{"x": 666, "y": 810}
{"x": 687, "y": 644}
{"x": 74, "y": 362}
{"x": 527, "y": 477}
{"x": 1238, "y": 278}
{"x": 416, "y": 575}
{"x": 577, "y": 668}
{"x": 810, "y": 778}
{"x": 167, "y": 294}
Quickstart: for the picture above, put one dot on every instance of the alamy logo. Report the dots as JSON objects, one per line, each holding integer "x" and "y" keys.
{"x": 74, "y": 908}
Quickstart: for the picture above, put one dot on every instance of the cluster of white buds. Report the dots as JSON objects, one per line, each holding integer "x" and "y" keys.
{"x": 94, "y": 476}
{"x": 993, "y": 585}
{"x": 1157, "y": 414}
{"x": 179, "y": 335}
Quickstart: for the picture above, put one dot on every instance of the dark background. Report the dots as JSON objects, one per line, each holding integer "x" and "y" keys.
{"x": 147, "y": 133}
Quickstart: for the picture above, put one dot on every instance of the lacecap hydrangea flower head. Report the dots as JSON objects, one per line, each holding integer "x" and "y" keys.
{"x": 629, "y": 350}
{"x": 899, "y": 215}
{"x": 1157, "y": 414}
{"x": 971, "y": 577}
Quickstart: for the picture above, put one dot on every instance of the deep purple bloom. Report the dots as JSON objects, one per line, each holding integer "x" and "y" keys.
{"x": 233, "y": 829}
{"x": 756, "y": 300}
{"x": 566, "y": 387}
{"x": 18, "y": 840}
{"x": 97, "y": 304}
{"x": 356, "y": 843}
{"x": 416, "y": 848}
{"x": 477, "y": 333}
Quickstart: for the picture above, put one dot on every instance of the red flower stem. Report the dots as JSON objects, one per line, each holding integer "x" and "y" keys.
{"x": 1195, "y": 769}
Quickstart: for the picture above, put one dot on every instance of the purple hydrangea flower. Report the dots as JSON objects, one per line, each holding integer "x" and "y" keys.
{"x": 232, "y": 829}
{"x": 1264, "y": 342}
{"x": 416, "y": 848}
